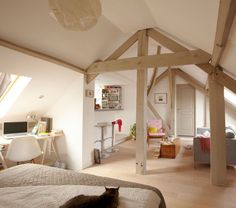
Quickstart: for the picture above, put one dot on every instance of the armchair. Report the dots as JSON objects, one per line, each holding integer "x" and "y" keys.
{"x": 155, "y": 130}
{"x": 201, "y": 149}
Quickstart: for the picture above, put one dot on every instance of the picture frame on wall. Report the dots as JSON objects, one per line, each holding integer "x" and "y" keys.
{"x": 89, "y": 93}
{"x": 160, "y": 98}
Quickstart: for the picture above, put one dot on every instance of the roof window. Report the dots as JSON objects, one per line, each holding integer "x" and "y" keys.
{"x": 11, "y": 86}
{"x": 230, "y": 96}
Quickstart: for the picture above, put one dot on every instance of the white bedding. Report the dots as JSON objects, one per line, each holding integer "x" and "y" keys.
{"x": 56, "y": 195}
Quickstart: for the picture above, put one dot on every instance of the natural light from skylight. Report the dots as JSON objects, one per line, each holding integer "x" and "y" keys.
{"x": 12, "y": 92}
{"x": 230, "y": 96}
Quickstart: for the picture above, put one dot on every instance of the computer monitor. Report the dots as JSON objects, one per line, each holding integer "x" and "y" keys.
{"x": 15, "y": 127}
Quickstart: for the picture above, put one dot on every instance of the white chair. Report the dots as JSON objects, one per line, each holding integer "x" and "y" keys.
{"x": 23, "y": 149}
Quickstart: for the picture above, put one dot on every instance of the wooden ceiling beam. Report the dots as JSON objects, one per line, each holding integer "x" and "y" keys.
{"x": 225, "y": 80}
{"x": 172, "y": 45}
{"x": 160, "y": 77}
{"x": 170, "y": 59}
{"x": 40, "y": 55}
{"x": 155, "y": 71}
{"x": 117, "y": 53}
{"x": 124, "y": 47}
{"x": 165, "y": 41}
{"x": 221, "y": 77}
{"x": 226, "y": 16}
{"x": 195, "y": 83}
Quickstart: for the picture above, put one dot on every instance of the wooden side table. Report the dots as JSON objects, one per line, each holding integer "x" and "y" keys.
{"x": 169, "y": 149}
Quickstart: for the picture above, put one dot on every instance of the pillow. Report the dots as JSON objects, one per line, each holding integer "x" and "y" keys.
{"x": 206, "y": 134}
{"x": 229, "y": 135}
{"x": 229, "y": 132}
{"x": 152, "y": 130}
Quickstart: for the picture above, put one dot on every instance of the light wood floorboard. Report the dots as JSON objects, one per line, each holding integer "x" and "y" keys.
{"x": 181, "y": 184}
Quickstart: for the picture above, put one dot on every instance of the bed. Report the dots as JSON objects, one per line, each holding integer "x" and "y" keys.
{"x": 32, "y": 185}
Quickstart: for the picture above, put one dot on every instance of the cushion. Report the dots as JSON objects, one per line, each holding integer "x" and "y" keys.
{"x": 229, "y": 135}
{"x": 207, "y": 134}
{"x": 152, "y": 130}
{"x": 156, "y": 134}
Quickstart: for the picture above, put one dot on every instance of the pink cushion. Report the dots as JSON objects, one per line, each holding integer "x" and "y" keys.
{"x": 160, "y": 134}
{"x": 158, "y": 125}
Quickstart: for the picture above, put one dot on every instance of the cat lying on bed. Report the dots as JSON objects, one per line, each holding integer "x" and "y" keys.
{"x": 109, "y": 199}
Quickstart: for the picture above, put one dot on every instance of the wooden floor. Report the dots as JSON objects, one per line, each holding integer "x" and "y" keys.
{"x": 181, "y": 184}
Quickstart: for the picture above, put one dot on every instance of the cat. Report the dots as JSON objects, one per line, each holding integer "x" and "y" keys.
{"x": 109, "y": 199}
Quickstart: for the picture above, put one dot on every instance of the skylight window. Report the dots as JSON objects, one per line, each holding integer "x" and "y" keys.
{"x": 11, "y": 86}
{"x": 230, "y": 96}
{"x": 6, "y": 81}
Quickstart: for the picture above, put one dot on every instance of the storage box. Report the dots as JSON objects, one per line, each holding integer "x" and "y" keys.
{"x": 170, "y": 149}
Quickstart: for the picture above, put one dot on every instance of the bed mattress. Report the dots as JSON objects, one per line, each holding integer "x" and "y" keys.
{"x": 41, "y": 176}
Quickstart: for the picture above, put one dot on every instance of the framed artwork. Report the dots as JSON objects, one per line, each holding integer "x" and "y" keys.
{"x": 89, "y": 93}
{"x": 160, "y": 98}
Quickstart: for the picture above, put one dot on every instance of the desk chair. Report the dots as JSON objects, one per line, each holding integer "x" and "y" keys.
{"x": 23, "y": 149}
{"x": 2, "y": 158}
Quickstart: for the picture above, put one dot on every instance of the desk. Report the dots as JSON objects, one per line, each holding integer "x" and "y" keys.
{"x": 48, "y": 144}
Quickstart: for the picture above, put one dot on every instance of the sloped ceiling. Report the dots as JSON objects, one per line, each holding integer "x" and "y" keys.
{"x": 192, "y": 22}
{"x": 48, "y": 79}
{"x": 28, "y": 23}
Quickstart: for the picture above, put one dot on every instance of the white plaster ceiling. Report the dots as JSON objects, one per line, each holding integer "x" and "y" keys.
{"x": 128, "y": 15}
{"x": 28, "y": 23}
{"x": 192, "y": 22}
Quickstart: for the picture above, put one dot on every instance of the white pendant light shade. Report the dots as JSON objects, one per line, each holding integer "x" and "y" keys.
{"x": 76, "y": 14}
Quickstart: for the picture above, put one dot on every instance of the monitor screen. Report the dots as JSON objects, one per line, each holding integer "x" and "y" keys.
{"x": 15, "y": 127}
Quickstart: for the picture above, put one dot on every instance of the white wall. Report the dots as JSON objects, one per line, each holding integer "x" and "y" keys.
{"x": 162, "y": 109}
{"x": 64, "y": 101}
{"x": 88, "y": 125}
{"x": 67, "y": 114}
{"x": 200, "y": 109}
{"x": 128, "y": 114}
{"x": 129, "y": 101}
{"x": 230, "y": 116}
{"x": 73, "y": 113}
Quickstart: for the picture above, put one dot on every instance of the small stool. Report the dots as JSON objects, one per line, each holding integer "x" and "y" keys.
{"x": 103, "y": 125}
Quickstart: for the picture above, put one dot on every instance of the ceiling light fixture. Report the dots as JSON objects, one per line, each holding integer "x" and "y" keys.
{"x": 76, "y": 14}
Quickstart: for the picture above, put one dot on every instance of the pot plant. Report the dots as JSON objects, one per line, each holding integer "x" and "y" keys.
{"x": 133, "y": 131}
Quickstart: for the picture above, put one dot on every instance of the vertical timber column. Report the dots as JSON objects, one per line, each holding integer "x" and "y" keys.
{"x": 172, "y": 102}
{"x": 217, "y": 124}
{"x": 206, "y": 107}
{"x": 141, "y": 107}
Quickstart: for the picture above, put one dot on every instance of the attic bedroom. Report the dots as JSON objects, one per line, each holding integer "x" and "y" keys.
{"x": 128, "y": 103}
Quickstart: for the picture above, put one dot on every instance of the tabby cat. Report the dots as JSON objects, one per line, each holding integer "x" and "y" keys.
{"x": 109, "y": 199}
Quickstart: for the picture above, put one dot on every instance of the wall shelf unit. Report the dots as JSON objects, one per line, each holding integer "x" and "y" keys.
{"x": 111, "y": 98}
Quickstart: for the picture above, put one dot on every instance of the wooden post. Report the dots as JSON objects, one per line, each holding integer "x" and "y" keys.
{"x": 141, "y": 107}
{"x": 217, "y": 124}
{"x": 205, "y": 109}
{"x": 155, "y": 71}
{"x": 172, "y": 119}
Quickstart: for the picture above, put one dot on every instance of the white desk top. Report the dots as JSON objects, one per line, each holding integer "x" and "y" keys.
{"x": 4, "y": 141}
